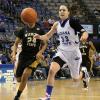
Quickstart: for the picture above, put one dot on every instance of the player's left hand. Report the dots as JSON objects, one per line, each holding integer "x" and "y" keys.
{"x": 84, "y": 36}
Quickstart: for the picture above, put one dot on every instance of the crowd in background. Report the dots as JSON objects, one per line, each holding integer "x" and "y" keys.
{"x": 9, "y": 20}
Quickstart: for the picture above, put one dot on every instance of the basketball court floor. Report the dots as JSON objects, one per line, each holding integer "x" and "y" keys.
{"x": 64, "y": 90}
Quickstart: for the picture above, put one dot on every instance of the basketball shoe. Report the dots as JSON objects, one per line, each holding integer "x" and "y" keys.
{"x": 44, "y": 98}
{"x": 86, "y": 77}
{"x": 47, "y": 97}
{"x": 16, "y": 98}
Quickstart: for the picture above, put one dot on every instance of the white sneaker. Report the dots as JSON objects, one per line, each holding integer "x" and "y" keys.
{"x": 44, "y": 98}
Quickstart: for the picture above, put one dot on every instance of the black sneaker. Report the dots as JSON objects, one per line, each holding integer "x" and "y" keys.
{"x": 86, "y": 77}
{"x": 16, "y": 98}
{"x": 85, "y": 84}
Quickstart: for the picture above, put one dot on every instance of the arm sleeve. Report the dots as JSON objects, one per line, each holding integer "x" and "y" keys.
{"x": 75, "y": 24}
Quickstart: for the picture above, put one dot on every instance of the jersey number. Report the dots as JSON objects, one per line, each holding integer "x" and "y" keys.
{"x": 65, "y": 40}
{"x": 31, "y": 41}
{"x": 83, "y": 50}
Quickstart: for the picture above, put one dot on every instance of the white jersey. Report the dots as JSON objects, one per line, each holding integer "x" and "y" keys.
{"x": 68, "y": 50}
{"x": 68, "y": 38}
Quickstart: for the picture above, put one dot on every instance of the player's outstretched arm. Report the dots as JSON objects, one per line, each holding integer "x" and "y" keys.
{"x": 48, "y": 35}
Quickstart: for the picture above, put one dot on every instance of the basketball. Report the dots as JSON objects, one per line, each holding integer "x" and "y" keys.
{"x": 29, "y": 15}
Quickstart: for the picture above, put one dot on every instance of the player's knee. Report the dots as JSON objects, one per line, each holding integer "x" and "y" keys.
{"x": 53, "y": 72}
{"x": 76, "y": 78}
{"x": 24, "y": 77}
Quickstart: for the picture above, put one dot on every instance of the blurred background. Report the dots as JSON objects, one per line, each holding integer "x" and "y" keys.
{"x": 88, "y": 12}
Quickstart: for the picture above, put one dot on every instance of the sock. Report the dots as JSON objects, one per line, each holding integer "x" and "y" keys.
{"x": 18, "y": 93}
{"x": 49, "y": 90}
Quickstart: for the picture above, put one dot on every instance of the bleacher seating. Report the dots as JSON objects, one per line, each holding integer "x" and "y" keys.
{"x": 45, "y": 9}
{"x": 53, "y": 6}
{"x": 93, "y": 5}
{"x": 10, "y": 15}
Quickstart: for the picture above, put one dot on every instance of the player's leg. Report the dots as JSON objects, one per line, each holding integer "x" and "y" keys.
{"x": 24, "y": 78}
{"x": 86, "y": 77}
{"x": 27, "y": 72}
{"x": 75, "y": 63}
{"x": 85, "y": 68}
{"x": 78, "y": 75}
{"x": 75, "y": 69}
{"x": 83, "y": 75}
{"x": 54, "y": 68}
{"x": 18, "y": 75}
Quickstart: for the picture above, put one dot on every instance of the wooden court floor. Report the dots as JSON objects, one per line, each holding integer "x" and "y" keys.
{"x": 64, "y": 90}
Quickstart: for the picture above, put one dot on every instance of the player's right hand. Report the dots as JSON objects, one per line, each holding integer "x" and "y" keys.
{"x": 37, "y": 36}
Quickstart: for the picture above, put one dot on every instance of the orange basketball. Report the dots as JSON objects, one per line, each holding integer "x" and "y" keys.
{"x": 29, "y": 15}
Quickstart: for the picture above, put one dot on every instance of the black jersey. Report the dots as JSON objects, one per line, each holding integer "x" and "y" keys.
{"x": 29, "y": 45}
{"x": 84, "y": 47}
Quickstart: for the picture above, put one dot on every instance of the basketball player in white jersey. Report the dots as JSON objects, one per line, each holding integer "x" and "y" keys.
{"x": 68, "y": 50}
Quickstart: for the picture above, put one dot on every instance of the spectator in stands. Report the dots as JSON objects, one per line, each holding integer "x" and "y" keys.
{"x": 2, "y": 27}
{"x": 51, "y": 21}
{"x": 46, "y": 24}
{"x": 96, "y": 12}
{"x": 0, "y": 46}
{"x": 0, "y": 57}
{"x": 4, "y": 59}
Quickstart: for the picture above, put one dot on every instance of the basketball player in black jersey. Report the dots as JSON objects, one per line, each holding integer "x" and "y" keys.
{"x": 85, "y": 47}
{"x": 31, "y": 54}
